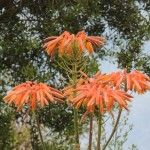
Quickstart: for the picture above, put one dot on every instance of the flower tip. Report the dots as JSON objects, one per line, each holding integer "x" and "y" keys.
{"x": 4, "y": 98}
{"x": 103, "y": 39}
{"x": 125, "y": 71}
{"x": 61, "y": 101}
{"x": 83, "y": 74}
{"x": 97, "y": 74}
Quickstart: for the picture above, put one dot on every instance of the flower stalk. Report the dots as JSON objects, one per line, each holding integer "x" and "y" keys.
{"x": 99, "y": 131}
{"x": 114, "y": 129}
{"x": 76, "y": 128}
{"x": 35, "y": 113}
{"x": 90, "y": 131}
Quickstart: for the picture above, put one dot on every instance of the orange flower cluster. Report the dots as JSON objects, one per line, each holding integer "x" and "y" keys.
{"x": 137, "y": 81}
{"x": 116, "y": 79}
{"x": 66, "y": 41}
{"x": 134, "y": 81}
{"x": 91, "y": 92}
{"x": 33, "y": 94}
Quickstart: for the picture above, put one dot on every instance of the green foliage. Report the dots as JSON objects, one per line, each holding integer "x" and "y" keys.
{"x": 57, "y": 114}
{"x": 6, "y": 132}
{"x": 92, "y": 66}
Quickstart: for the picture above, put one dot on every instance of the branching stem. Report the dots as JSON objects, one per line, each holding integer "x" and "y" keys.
{"x": 90, "y": 132}
{"x": 35, "y": 113}
{"x": 114, "y": 129}
{"x": 74, "y": 76}
{"x": 99, "y": 132}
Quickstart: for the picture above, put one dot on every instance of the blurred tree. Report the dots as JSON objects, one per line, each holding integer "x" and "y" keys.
{"x": 6, "y": 131}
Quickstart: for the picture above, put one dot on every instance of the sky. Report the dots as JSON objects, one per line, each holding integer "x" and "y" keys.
{"x": 139, "y": 111}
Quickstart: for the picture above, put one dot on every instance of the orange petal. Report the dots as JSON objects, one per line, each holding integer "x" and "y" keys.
{"x": 97, "y": 74}
{"x": 137, "y": 85}
{"x": 89, "y": 48}
{"x": 57, "y": 94}
{"x": 9, "y": 95}
{"x": 81, "y": 44}
{"x": 33, "y": 101}
{"x": 98, "y": 37}
{"x": 49, "y": 96}
{"x": 91, "y": 101}
{"x": 83, "y": 74}
{"x": 101, "y": 104}
{"x": 93, "y": 40}
{"x": 12, "y": 99}
{"x": 45, "y": 101}
{"x": 78, "y": 98}
{"x": 85, "y": 114}
{"x": 25, "y": 96}
{"x": 54, "y": 90}
{"x": 58, "y": 100}
{"x": 50, "y": 38}
{"x": 53, "y": 42}
{"x": 129, "y": 83}
{"x": 79, "y": 104}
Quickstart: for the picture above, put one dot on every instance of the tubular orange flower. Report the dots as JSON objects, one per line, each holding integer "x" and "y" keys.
{"x": 66, "y": 42}
{"x": 97, "y": 92}
{"x": 138, "y": 82}
{"x": 116, "y": 79}
{"x": 32, "y": 94}
{"x": 135, "y": 80}
{"x": 86, "y": 42}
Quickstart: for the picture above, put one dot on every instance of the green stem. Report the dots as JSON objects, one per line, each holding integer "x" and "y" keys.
{"x": 38, "y": 127}
{"x": 114, "y": 129}
{"x": 90, "y": 132}
{"x": 99, "y": 132}
{"x": 76, "y": 129}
